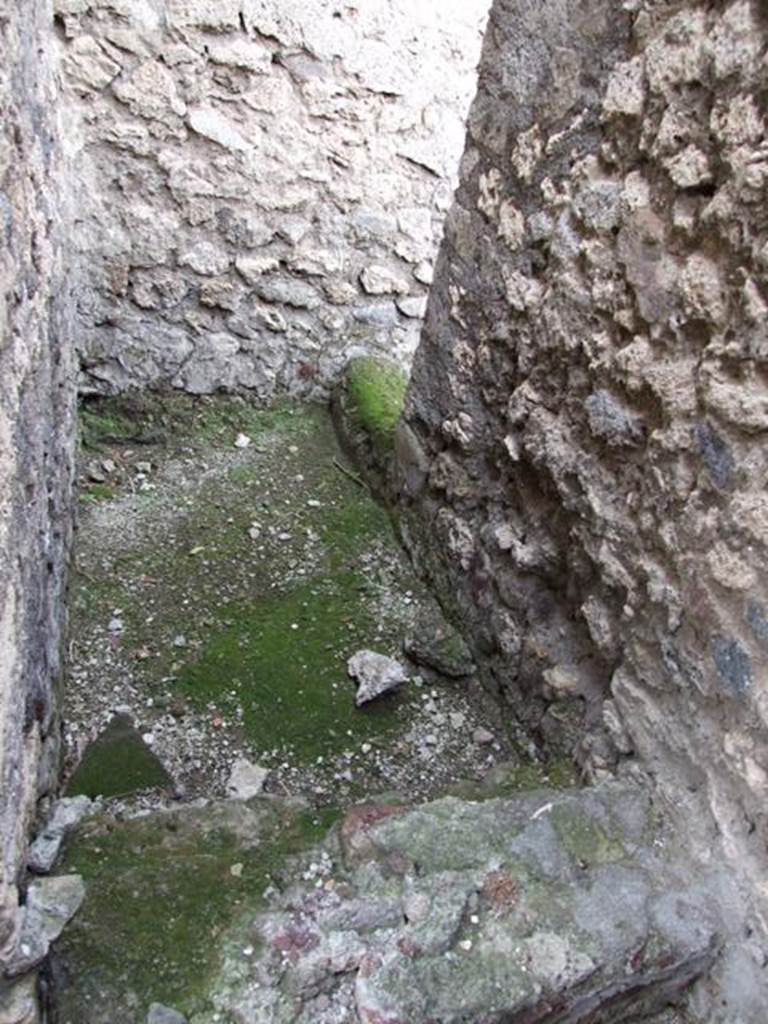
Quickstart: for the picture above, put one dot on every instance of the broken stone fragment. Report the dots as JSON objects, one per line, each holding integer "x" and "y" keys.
{"x": 51, "y": 905}
{"x": 424, "y": 273}
{"x": 482, "y": 737}
{"x": 67, "y": 813}
{"x": 205, "y": 259}
{"x": 246, "y": 779}
{"x": 96, "y": 473}
{"x": 376, "y": 674}
{"x": 612, "y": 422}
{"x": 209, "y": 123}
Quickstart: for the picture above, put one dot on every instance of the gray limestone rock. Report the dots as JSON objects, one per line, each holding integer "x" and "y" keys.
{"x": 66, "y": 815}
{"x": 288, "y": 292}
{"x": 376, "y": 674}
{"x": 246, "y": 779}
{"x": 51, "y": 905}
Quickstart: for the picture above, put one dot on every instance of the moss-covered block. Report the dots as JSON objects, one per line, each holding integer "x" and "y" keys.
{"x": 117, "y": 763}
{"x": 375, "y": 393}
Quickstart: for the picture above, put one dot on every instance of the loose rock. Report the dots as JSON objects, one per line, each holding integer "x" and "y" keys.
{"x": 246, "y": 779}
{"x": 376, "y": 675}
{"x": 66, "y": 815}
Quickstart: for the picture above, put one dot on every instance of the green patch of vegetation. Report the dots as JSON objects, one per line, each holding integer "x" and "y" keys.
{"x": 161, "y": 892}
{"x": 163, "y": 417}
{"x": 101, "y": 424}
{"x": 98, "y": 492}
{"x": 282, "y": 661}
{"x": 275, "y": 667}
{"x": 117, "y": 763}
{"x": 376, "y": 392}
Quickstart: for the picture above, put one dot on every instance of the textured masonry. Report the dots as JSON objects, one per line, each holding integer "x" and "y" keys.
{"x": 36, "y": 430}
{"x": 262, "y": 184}
{"x": 584, "y": 457}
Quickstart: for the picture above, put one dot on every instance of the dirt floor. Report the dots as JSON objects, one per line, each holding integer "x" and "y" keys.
{"x": 229, "y": 561}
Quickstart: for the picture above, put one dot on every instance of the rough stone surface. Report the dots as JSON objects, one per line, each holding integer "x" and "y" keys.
{"x": 35, "y": 437}
{"x": 583, "y": 454}
{"x": 547, "y": 907}
{"x": 67, "y": 813}
{"x": 246, "y": 779}
{"x": 252, "y": 168}
{"x": 375, "y": 674}
{"x": 51, "y": 904}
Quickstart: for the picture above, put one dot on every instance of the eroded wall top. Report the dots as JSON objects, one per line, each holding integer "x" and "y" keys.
{"x": 262, "y": 183}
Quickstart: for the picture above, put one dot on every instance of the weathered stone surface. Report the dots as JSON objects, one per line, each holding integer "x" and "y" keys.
{"x": 51, "y": 905}
{"x": 246, "y": 779}
{"x": 375, "y": 674}
{"x": 436, "y": 644}
{"x": 208, "y": 129}
{"x": 18, "y": 1001}
{"x": 587, "y": 409}
{"x": 36, "y": 440}
{"x": 548, "y": 906}
{"x": 67, "y": 813}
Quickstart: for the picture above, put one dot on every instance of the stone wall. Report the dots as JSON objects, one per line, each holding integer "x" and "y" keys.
{"x": 36, "y": 387}
{"x": 261, "y": 183}
{"x": 584, "y": 452}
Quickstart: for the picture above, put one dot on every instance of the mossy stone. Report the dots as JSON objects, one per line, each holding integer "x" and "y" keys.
{"x": 117, "y": 763}
{"x": 375, "y": 393}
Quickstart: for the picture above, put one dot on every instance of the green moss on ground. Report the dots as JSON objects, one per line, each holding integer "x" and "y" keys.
{"x": 163, "y": 417}
{"x": 235, "y": 599}
{"x": 117, "y": 763}
{"x": 376, "y": 392}
{"x": 160, "y": 892}
{"x": 283, "y": 662}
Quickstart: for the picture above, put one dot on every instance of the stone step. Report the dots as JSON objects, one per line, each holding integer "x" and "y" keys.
{"x": 547, "y": 907}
